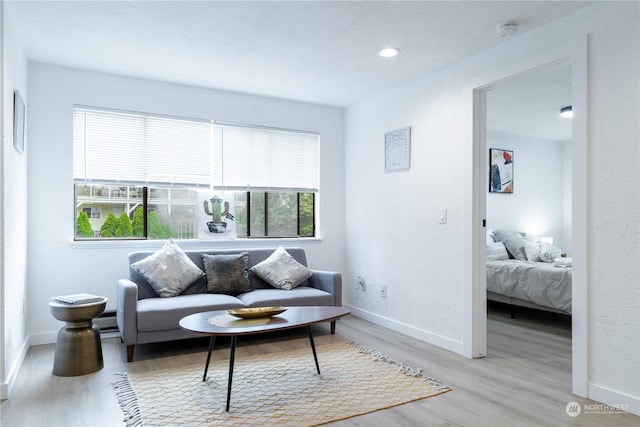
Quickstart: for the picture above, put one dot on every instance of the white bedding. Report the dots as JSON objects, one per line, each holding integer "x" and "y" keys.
{"x": 539, "y": 282}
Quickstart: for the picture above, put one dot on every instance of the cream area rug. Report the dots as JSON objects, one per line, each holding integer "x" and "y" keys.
{"x": 277, "y": 389}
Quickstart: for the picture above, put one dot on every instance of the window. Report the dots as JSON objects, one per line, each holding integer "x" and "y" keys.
{"x": 137, "y": 176}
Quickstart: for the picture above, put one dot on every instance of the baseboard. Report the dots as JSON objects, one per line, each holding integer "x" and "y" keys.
{"x": 6, "y": 387}
{"x": 615, "y": 400}
{"x": 403, "y": 328}
{"x": 41, "y": 339}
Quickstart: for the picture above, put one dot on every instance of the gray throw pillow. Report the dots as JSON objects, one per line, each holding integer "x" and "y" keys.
{"x": 532, "y": 251}
{"x": 281, "y": 270}
{"x": 502, "y": 235}
{"x": 227, "y": 273}
{"x": 169, "y": 271}
{"x": 515, "y": 247}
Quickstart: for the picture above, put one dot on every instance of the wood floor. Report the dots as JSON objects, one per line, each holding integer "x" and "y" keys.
{"x": 525, "y": 380}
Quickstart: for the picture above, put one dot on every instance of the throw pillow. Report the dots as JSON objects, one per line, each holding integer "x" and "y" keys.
{"x": 532, "y": 251}
{"x": 502, "y": 235}
{"x": 227, "y": 273}
{"x": 515, "y": 247}
{"x": 496, "y": 252}
{"x": 281, "y": 270}
{"x": 548, "y": 252}
{"x": 169, "y": 271}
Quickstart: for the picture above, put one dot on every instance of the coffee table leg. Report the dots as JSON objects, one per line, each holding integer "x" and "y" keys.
{"x": 313, "y": 348}
{"x": 232, "y": 357}
{"x": 206, "y": 366}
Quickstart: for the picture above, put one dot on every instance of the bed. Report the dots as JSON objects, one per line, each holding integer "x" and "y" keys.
{"x": 522, "y": 272}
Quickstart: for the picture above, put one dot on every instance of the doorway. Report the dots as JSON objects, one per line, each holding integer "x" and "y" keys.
{"x": 523, "y": 122}
{"x": 575, "y": 54}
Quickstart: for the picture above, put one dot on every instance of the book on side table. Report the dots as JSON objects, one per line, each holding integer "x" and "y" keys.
{"x": 78, "y": 299}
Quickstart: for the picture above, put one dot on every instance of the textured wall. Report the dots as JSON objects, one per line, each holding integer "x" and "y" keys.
{"x": 393, "y": 236}
{"x": 14, "y": 203}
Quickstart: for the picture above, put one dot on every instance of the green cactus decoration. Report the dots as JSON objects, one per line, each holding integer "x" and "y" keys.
{"x": 218, "y": 222}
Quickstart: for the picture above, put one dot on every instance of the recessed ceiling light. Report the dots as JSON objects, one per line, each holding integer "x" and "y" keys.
{"x": 566, "y": 111}
{"x": 389, "y": 52}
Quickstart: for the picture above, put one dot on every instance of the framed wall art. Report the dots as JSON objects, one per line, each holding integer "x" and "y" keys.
{"x": 18, "y": 122}
{"x": 397, "y": 150}
{"x": 500, "y": 171}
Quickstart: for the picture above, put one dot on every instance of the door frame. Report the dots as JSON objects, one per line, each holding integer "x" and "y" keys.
{"x": 575, "y": 53}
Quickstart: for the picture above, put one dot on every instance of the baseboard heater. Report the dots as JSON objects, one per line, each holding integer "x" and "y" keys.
{"x": 107, "y": 321}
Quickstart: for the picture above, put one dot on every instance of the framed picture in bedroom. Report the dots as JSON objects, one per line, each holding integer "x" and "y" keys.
{"x": 500, "y": 171}
{"x": 18, "y": 122}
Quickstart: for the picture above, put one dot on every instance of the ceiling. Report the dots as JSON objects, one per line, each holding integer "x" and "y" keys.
{"x": 322, "y": 52}
{"x": 530, "y": 104}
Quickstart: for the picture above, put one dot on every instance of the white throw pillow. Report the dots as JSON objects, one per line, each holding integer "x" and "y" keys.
{"x": 496, "y": 252}
{"x": 281, "y": 270}
{"x": 548, "y": 252}
{"x": 169, "y": 271}
{"x": 489, "y": 237}
{"x": 532, "y": 251}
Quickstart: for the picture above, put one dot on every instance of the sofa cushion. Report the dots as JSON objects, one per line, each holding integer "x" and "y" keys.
{"x": 300, "y": 296}
{"x": 281, "y": 270}
{"x": 227, "y": 274}
{"x": 161, "y": 314}
{"x": 169, "y": 270}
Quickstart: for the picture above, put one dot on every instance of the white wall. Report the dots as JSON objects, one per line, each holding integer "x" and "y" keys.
{"x": 392, "y": 232}
{"x": 59, "y": 266}
{"x": 538, "y": 202}
{"x": 13, "y": 232}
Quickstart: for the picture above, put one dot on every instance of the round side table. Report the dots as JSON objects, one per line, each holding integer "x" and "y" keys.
{"x": 78, "y": 347}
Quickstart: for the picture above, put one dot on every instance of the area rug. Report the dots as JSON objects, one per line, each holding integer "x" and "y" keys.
{"x": 276, "y": 389}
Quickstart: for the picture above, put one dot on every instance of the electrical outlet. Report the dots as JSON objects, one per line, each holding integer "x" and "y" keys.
{"x": 360, "y": 281}
{"x": 383, "y": 291}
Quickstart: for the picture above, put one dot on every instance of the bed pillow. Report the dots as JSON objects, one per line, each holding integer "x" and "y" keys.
{"x": 496, "y": 252}
{"x": 227, "y": 273}
{"x": 502, "y": 235}
{"x": 281, "y": 270}
{"x": 489, "y": 237}
{"x": 548, "y": 252}
{"x": 169, "y": 271}
{"x": 532, "y": 251}
{"x": 515, "y": 247}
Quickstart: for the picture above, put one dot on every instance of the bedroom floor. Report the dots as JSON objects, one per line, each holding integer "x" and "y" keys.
{"x": 525, "y": 380}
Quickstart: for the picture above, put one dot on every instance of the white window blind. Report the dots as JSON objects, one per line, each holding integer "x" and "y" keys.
{"x": 134, "y": 148}
{"x": 264, "y": 159}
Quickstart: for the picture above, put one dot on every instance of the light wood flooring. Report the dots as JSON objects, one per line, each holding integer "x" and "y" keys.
{"x": 525, "y": 380}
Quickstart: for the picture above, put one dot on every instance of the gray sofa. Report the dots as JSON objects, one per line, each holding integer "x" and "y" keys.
{"x": 144, "y": 317}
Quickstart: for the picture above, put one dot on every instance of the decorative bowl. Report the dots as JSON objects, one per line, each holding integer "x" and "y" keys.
{"x": 256, "y": 312}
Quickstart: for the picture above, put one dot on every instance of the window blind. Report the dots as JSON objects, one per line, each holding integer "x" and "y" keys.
{"x": 264, "y": 159}
{"x": 135, "y": 148}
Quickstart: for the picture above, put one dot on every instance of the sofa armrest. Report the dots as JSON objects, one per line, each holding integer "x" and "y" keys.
{"x": 329, "y": 281}
{"x": 126, "y": 312}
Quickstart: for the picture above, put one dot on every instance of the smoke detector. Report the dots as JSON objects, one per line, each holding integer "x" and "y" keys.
{"x": 507, "y": 29}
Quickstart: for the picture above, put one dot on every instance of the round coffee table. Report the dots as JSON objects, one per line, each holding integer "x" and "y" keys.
{"x": 78, "y": 347}
{"x": 220, "y": 323}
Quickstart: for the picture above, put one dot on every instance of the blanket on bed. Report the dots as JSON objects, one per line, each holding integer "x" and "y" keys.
{"x": 539, "y": 282}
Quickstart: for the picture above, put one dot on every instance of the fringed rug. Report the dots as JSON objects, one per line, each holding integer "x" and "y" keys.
{"x": 277, "y": 389}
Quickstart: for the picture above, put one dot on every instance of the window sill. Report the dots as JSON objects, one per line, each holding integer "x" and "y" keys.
{"x": 189, "y": 244}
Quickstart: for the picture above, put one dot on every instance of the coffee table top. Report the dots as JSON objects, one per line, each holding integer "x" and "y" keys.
{"x": 221, "y": 323}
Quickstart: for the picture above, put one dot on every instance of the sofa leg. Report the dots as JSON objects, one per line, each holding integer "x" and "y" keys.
{"x": 333, "y": 327}
{"x": 130, "y": 353}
